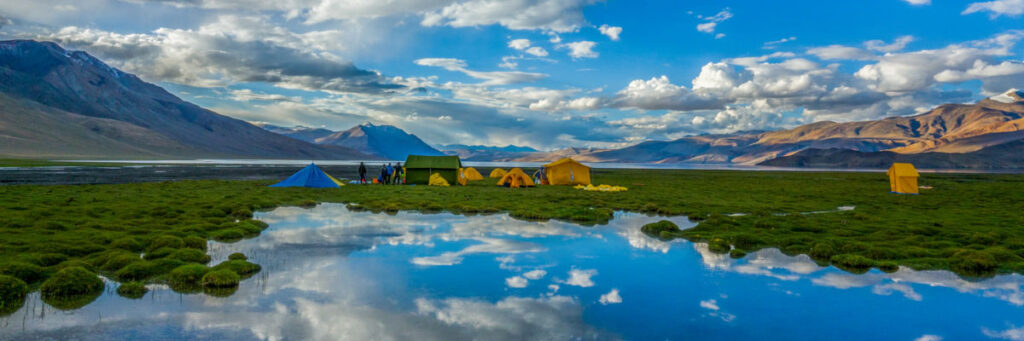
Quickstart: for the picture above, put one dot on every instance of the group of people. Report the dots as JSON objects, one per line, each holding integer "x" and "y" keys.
{"x": 390, "y": 174}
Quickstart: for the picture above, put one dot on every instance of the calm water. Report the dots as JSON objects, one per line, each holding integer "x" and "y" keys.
{"x": 333, "y": 274}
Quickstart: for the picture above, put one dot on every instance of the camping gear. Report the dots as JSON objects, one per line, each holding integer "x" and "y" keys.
{"x": 472, "y": 174}
{"x": 516, "y": 178}
{"x": 903, "y": 178}
{"x": 419, "y": 168}
{"x": 437, "y": 180}
{"x": 567, "y": 172}
{"x": 310, "y": 176}
{"x": 602, "y": 188}
{"x": 497, "y": 173}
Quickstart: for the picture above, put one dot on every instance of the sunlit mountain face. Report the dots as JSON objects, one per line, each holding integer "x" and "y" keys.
{"x": 546, "y": 74}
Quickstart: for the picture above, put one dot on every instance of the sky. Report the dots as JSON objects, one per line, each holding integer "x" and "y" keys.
{"x": 548, "y": 74}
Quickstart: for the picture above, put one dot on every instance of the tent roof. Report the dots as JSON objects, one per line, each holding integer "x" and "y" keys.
{"x": 309, "y": 176}
{"x": 562, "y": 161}
{"x": 904, "y": 169}
{"x": 439, "y": 162}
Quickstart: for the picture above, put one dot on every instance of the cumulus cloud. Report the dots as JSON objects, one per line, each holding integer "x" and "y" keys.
{"x": 1012, "y": 333}
{"x": 519, "y": 44}
{"x": 612, "y": 297}
{"x": 919, "y": 2}
{"x": 229, "y": 50}
{"x": 710, "y": 23}
{"x": 546, "y": 15}
{"x": 581, "y": 49}
{"x": 840, "y": 52}
{"x": 710, "y": 304}
{"x": 488, "y": 77}
{"x": 997, "y": 8}
{"x": 659, "y": 93}
{"x": 535, "y": 274}
{"x": 516, "y": 282}
{"x": 581, "y": 278}
{"x": 612, "y": 32}
{"x": 896, "y": 45}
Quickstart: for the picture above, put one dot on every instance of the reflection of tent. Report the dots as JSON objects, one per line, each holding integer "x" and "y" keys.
{"x": 437, "y": 180}
{"x": 418, "y": 168}
{"x": 567, "y": 172}
{"x": 515, "y": 178}
{"x": 498, "y": 173}
{"x": 310, "y": 176}
{"x": 903, "y": 178}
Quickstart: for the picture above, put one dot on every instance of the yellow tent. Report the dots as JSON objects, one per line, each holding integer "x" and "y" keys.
{"x": 567, "y": 172}
{"x": 515, "y": 179}
{"x": 437, "y": 180}
{"x": 473, "y": 175}
{"x": 903, "y": 178}
{"x": 498, "y": 173}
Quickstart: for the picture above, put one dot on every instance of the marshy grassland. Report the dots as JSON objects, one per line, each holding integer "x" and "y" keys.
{"x": 972, "y": 224}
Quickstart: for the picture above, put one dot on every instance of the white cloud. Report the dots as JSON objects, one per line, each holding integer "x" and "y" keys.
{"x": 549, "y": 318}
{"x": 928, "y": 337}
{"x": 519, "y": 44}
{"x": 1010, "y": 8}
{"x": 546, "y": 15}
{"x": 710, "y": 23}
{"x": 710, "y": 304}
{"x": 537, "y": 51}
{"x": 535, "y": 274}
{"x": 840, "y": 52}
{"x": 897, "y": 44}
{"x": 919, "y": 2}
{"x": 516, "y": 282}
{"x": 775, "y": 43}
{"x": 611, "y": 31}
{"x": 581, "y": 49}
{"x": 580, "y": 278}
{"x": 1012, "y": 334}
{"x": 488, "y": 245}
{"x": 489, "y": 78}
{"x": 612, "y": 297}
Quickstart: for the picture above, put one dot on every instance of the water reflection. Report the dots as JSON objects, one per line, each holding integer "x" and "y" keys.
{"x": 333, "y": 274}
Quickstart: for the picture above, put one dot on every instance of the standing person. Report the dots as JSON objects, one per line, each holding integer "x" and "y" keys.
{"x": 398, "y": 174}
{"x": 362, "y": 173}
{"x": 383, "y": 172}
{"x": 391, "y": 172}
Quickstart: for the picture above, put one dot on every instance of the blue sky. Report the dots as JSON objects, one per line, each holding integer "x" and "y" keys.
{"x": 548, "y": 73}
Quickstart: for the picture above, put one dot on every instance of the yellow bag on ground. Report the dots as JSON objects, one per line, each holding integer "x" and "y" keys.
{"x": 602, "y": 188}
{"x": 437, "y": 180}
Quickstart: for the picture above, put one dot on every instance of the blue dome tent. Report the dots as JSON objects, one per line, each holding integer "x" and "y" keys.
{"x": 310, "y": 176}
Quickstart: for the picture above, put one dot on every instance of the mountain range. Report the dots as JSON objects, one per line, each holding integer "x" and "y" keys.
{"x": 380, "y": 141}
{"x": 60, "y": 103}
{"x": 56, "y": 103}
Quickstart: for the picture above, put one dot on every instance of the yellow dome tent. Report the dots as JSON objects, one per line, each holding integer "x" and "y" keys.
{"x": 473, "y": 175}
{"x": 903, "y": 178}
{"x": 497, "y": 173}
{"x": 437, "y": 180}
{"x": 515, "y": 179}
{"x": 567, "y": 172}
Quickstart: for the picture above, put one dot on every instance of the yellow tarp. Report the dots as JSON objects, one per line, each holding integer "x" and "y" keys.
{"x": 567, "y": 172}
{"x": 602, "y": 188}
{"x": 437, "y": 180}
{"x": 473, "y": 175}
{"x": 335, "y": 180}
{"x": 497, "y": 173}
{"x": 516, "y": 178}
{"x": 903, "y": 178}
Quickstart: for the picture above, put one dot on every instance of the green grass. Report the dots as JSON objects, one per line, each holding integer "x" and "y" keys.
{"x": 969, "y": 223}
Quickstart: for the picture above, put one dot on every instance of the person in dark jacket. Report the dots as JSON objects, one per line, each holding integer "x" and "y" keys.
{"x": 362, "y": 173}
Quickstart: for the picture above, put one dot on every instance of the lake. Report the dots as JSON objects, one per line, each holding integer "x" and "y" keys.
{"x": 330, "y": 273}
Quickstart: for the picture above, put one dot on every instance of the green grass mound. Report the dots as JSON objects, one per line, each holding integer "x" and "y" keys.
{"x": 132, "y": 290}
{"x": 29, "y": 273}
{"x": 239, "y": 267}
{"x": 190, "y": 256}
{"x": 12, "y": 294}
{"x": 127, "y": 244}
{"x": 737, "y": 253}
{"x": 71, "y": 288}
{"x": 187, "y": 274}
{"x": 853, "y": 263}
{"x": 118, "y": 261}
{"x": 973, "y": 263}
{"x": 143, "y": 270}
{"x": 76, "y": 263}
{"x": 165, "y": 241}
{"x": 228, "y": 235}
{"x": 193, "y": 242}
{"x": 719, "y": 245}
{"x": 46, "y": 259}
{"x": 657, "y": 228}
{"x": 159, "y": 253}
{"x": 221, "y": 279}
{"x": 237, "y": 256}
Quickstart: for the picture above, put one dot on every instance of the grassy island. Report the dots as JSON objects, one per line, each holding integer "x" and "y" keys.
{"x": 972, "y": 224}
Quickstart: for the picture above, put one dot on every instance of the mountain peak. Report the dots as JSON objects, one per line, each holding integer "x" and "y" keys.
{"x": 1010, "y": 96}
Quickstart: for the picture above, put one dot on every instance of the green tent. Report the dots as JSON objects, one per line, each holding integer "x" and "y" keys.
{"x": 419, "y": 167}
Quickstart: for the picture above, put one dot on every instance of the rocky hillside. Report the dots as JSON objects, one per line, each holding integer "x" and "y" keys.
{"x": 60, "y": 103}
